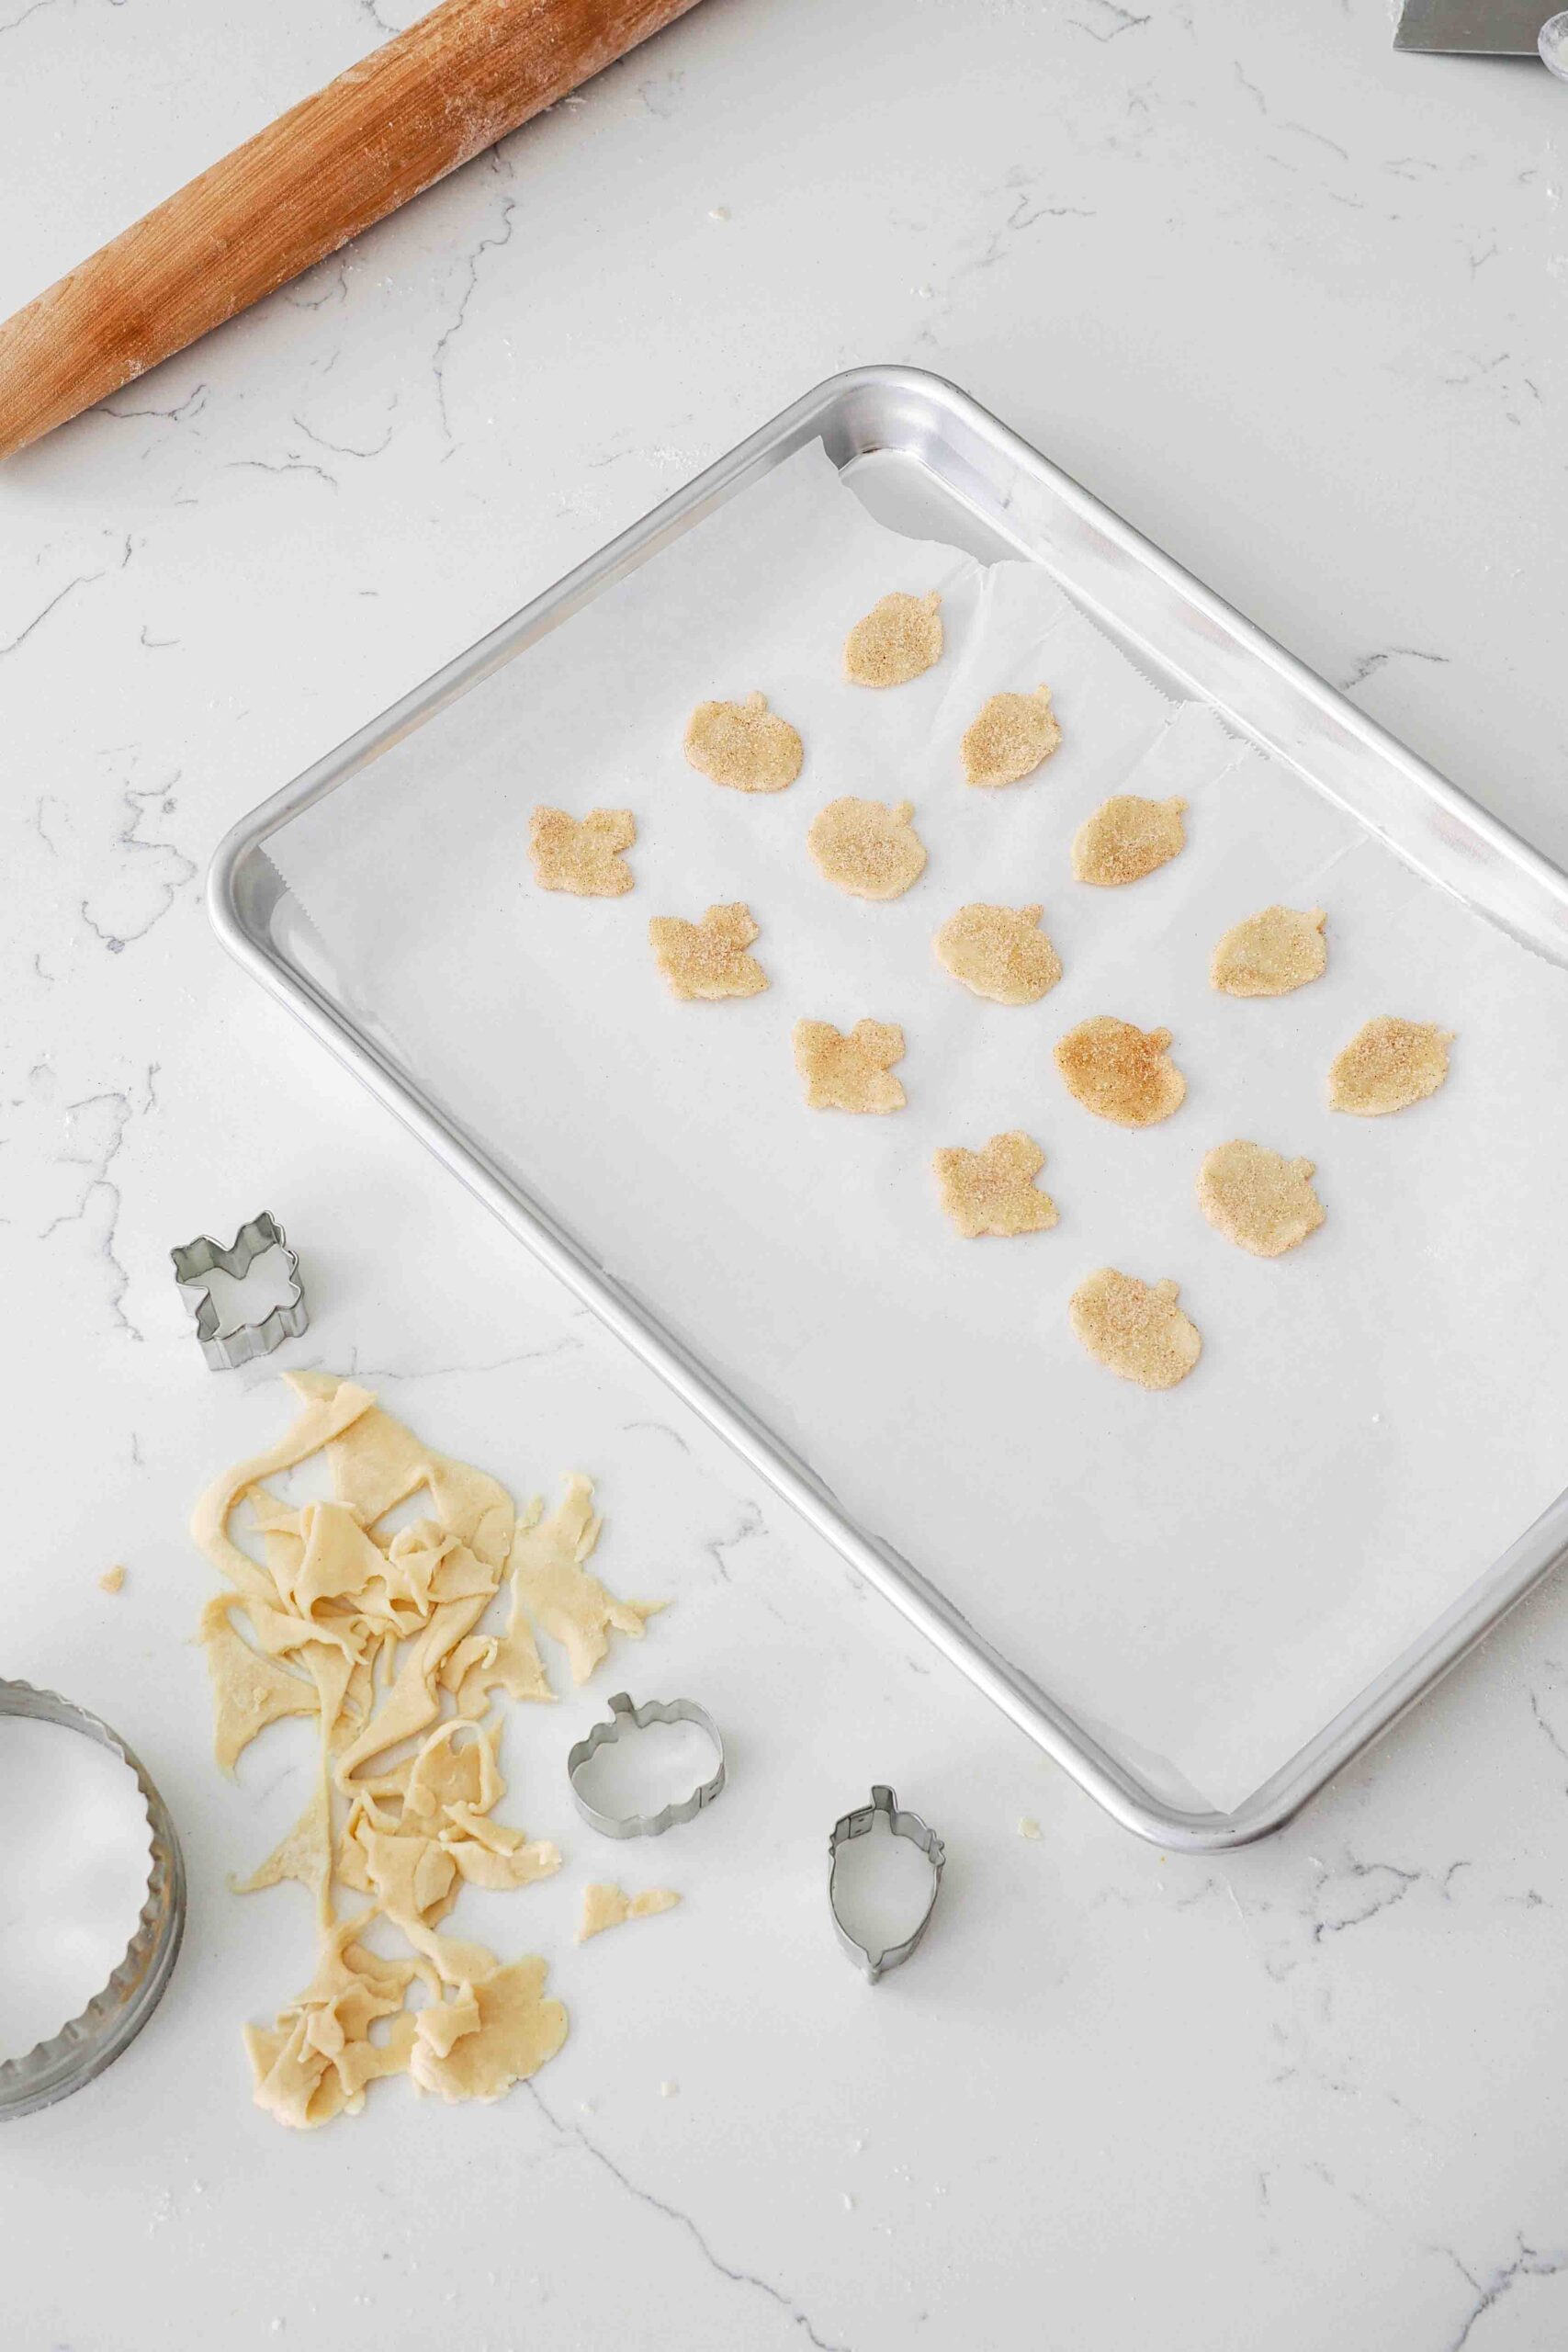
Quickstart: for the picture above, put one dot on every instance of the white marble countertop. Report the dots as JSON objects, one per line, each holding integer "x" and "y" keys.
{"x": 1296, "y": 307}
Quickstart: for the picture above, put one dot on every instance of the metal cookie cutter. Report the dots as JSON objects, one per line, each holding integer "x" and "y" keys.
{"x": 225, "y": 1352}
{"x": 902, "y": 1823}
{"x": 624, "y": 1715}
{"x": 112, "y": 2019}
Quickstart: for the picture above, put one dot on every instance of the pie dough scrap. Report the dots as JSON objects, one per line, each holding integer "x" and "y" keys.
{"x": 1271, "y": 953}
{"x": 503, "y": 2033}
{"x": 249, "y": 1689}
{"x": 869, "y": 848}
{"x": 1013, "y": 735}
{"x": 607, "y": 1907}
{"x": 570, "y": 1605}
{"x": 707, "y": 960}
{"x": 898, "y": 640}
{"x": 1120, "y": 1072}
{"x": 111, "y": 1579}
{"x": 1135, "y": 1329}
{"x": 1000, "y": 952}
{"x": 1388, "y": 1065}
{"x": 993, "y": 1190}
{"x": 1258, "y": 1199}
{"x": 304, "y": 1854}
{"x": 582, "y": 855}
{"x": 1127, "y": 838}
{"x": 744, "y": 745}
{"x": 849, "y": 1070}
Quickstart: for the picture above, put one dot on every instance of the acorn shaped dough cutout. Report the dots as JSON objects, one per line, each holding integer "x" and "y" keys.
{"x": 1120, "y": 1072}
{"x": 993, "y": 1190}
{"x": 1271, "y": 953}
{"x": 1258, "y": 1198}
{"x": 1127, "y": 838}
{"x": 1135, "y": 1329}
{"x": 1011, "y": 736}
{"x": 898, "y": 640}
{"x": 867, "y": 847}
{"x": 1000, "y": 953}
{"x": 744, "y": 745}
{"x": 1388, "y": 1065}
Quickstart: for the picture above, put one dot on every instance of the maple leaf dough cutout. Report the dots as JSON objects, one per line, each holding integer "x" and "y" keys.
{"x": 744, "y": 745}
{"x": 867, "y": 847}
{"x": 1000, "y": 953}
{"x": 1135, "y": 1329}
{"x": 708, "y": 959}
{"x": 581, "y": 856}
{"x": 1258, "y": 1199}
{"x": 849, "y": 1070}
{"x": 1270, "y": 954}
{"x": 1120, "y": 1072}
{"x": 1387, "y": 1066}
{"x": 993, "y": 1190}
{"x": 1127, "y": 838}
{"x": 898, "y": 640}
{"x": 1013, "y": 736}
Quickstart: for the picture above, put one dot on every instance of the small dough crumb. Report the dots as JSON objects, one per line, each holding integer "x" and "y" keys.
{"x": 898, "y": 640}
{"x": 582, "y": 856}
{"x": 848, "y": 1070}
{"x": 1270, "y": 953}
{"x": 1013, "y": 735}
{"x": 993, "y": 1190}
{"x": 1389, "y": 1065}
{"x": 1028, "y": 1826}
{"x": 1135, "y": 1329}
{"x": 1258, "y": 1199}
{"x": 744, "y": 745}
{"x": 708, "y": 959}
{"x": 111, "y": 1581}
{"x": 669, "y": 2090}
{"x": 607, "y": 1907}
{"x": 868, "y": 847}
{"x": 1127, "y": 839}
{"x": 1120, "y": 1072}
{"x": 1000, "y": 953}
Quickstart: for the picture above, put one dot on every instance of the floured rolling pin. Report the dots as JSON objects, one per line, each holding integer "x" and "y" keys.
{"x": 402, "y": 118}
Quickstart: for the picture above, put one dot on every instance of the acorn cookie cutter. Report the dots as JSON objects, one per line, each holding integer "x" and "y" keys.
{"x": 226, "y": 1350}
{"x": 625, "y": 1716}
{"x": 81, "y": 2049}
{"x": 901, "y": 1824}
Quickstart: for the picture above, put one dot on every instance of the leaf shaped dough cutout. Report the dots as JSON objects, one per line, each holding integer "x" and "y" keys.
{"x": 1011, "y": 736}
{"x": 849, "y": 1070}
{"x": 707, "y": 960}
{"x": 582, "y": 855}
{"x": 1127, "y": 838}
{"x": 993, "y": 1190}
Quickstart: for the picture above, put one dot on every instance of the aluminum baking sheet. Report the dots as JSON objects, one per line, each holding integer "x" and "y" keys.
{"x": 1201, "y": 1603}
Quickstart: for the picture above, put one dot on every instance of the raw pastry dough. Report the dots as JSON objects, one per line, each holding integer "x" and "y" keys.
{"x": 993, "y": 1190}
{"x": 708, "y": 959}
{"x": 1127, "y": 839}
{"x": 1000, "y": 953}
{"x": 1270, "y": 953}
{"x": 572, "y": 1606}
{"x": 504, "y": 2032}
{"x": 607, "y": 1907}
{"x": 1389, "y": 1065}
{"x": 848, "y": 1070}
{"x": 743, "y": 744}
{"x": 868, "y": 847}
{"x": 111, "y": 1581}
{"x": 1135, "y": 1329}
{"x": 1011, "y": 736}
{"x": 1258, "y": 1199}
{"x": 897, "y": 640}
{"x": 1120, "y": 1072}
{"x": 582, "y": 857}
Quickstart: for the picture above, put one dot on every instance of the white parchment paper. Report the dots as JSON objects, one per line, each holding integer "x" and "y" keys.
{"x": 1208, "y": 1575}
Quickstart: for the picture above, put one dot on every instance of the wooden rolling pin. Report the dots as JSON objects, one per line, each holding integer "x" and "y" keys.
{"x": 439, "y": 95}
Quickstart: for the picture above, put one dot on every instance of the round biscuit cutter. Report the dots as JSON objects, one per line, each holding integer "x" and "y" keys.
{"x": 625, "y": 1716}
{"x": 902, "y": 1823}
{"x": 79, "y": 2052}
{"x": 195, "y": 1261}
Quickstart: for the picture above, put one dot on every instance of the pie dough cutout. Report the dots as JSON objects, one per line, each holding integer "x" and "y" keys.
{"x": 1013, "y": 736}
{"x": 708, "y": 959}
{"x": 1387, "y": 1066}
{"x": 1258, "y": 1199}
{"x": 867, "y": 847}
{"x": 744, "y": 745}
{"x": 607, "y": 1907}
{"x": 582, "y": 856}
{"x": 1135, "y": 1329}
{"x": 1120, "y": 1072}
{"x": 898, "y": 640}
{"x": 1271, "y": 953}
{"x": 993, "y": 1190}
{"x": 1128, "y": 838}
{"x": 849, "y": 1070}
{"x": 1000, "y": 953}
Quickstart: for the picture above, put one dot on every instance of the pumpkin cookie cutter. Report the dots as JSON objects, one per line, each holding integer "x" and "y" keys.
{"x": 226, "y": 1350}
{"x": 901, "y": 1823}
{"x": 625, "y": 1716}
{"x": 81, "y": 2049}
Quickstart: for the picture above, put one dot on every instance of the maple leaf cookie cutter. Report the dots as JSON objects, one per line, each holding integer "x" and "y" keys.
{"x": 625, "y": 1716}
{"x": 901, "y": 1823}
{"x": 226, "y": 1350}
